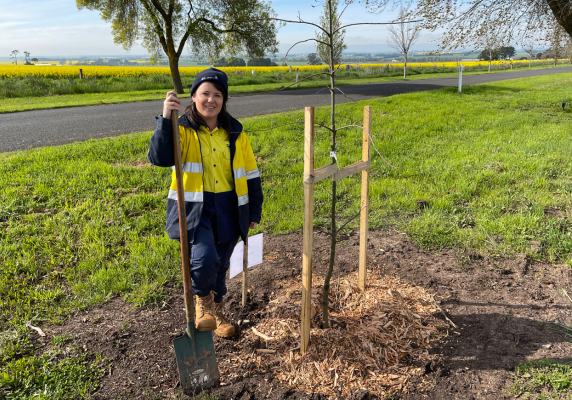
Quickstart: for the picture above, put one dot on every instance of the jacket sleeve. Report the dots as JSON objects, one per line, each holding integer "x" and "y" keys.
{"x": 255, "y": 196}
{"x": 161, "y": 151}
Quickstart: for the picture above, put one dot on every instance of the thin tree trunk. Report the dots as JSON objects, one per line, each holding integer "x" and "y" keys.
{"x": 405, "y": 68}
{"x": 326, "y": 292}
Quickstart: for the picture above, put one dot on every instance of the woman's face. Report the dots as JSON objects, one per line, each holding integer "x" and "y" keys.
{"x": 209, "y": 100}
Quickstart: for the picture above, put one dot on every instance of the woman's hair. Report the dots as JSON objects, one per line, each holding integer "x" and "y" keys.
{"x": 223, "y": 117}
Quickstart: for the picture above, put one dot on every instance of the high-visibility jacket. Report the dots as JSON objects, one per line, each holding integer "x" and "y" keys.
{"x": 247, "y": 183}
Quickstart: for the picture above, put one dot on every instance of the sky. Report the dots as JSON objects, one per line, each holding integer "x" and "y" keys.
{"x": 58, "y": 28}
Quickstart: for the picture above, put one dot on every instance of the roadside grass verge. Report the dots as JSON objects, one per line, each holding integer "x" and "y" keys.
{"x": 16, "y": 93}
{"x": 82, "y": 223}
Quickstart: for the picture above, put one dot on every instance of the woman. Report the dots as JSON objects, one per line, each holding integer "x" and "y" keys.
{"x": 223, "y": 192}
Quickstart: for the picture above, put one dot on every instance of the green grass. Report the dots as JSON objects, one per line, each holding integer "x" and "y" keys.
{"x": 57, "y": 374}
{"x": 543, "y": 379}
{"x": 24, "y": 94}
{"x": 84, "y": 222}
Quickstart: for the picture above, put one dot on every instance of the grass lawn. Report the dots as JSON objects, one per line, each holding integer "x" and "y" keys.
{"x": 83, "y": 222}
{"x": 116, "y": 92}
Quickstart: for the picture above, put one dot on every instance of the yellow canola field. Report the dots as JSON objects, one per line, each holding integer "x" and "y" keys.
{"x": 55, "y": 72}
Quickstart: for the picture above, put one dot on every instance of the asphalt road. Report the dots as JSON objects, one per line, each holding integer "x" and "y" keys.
{"x": 41, "y": 128}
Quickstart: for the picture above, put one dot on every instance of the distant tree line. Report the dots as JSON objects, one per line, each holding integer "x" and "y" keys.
{"x": 114, "y": 62}
{"x": 239, "y": 62}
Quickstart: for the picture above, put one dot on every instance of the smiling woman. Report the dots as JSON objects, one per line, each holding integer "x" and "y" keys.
{"x": 223, "y": 191}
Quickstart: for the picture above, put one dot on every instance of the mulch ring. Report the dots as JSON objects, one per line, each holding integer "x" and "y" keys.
{"x": 394, "y": 338}
{"x": 372, "y": 334}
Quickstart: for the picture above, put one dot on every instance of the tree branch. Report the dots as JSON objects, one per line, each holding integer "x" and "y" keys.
{"x": 302, "y": 41}
{"x": 158, "y": 28}
{"x": 375, "y": 23}
{"x": 277, "y": 19}
{"x": 159, "y": 8}
{"x": 282, "y": 88}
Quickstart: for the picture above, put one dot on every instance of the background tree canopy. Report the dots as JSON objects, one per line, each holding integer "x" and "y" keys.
{"x": 207, "y": 27}
{"x": 466, "y": 21}
{"x": 502, "y": 53}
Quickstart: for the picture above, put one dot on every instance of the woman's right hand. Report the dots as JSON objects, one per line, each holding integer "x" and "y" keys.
{"x": 171, "y": 103}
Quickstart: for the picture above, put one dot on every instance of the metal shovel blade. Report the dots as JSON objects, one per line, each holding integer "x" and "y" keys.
{"x": 196, "y": 360}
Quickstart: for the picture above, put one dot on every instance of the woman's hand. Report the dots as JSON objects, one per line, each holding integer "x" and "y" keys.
{"x": 253, "y": 225}
{"x": 171, "y": 103}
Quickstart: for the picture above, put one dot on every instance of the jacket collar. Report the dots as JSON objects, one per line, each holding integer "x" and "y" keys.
{"x": 235, "y": 126}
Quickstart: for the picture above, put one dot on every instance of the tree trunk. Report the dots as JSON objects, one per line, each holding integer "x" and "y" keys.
{"x": 405, "y": 68}
{"x": 561, "y": 11}
{"x": 326, "y": 291}
{"x": 490, "y": 65}
{"x": 175, "y": 74}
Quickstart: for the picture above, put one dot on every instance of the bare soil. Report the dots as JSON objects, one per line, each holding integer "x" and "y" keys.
{"x": 505, "y": 310}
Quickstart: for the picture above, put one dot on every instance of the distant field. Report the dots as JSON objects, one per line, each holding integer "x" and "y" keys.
{"x": 23, "y": 93}
{"x": 11, "y": 71}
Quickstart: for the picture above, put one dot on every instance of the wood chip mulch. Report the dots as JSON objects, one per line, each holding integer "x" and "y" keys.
{"x": 375, "y": 338}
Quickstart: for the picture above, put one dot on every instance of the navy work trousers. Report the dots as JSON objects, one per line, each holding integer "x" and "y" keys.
{"x": 209, "y": 262}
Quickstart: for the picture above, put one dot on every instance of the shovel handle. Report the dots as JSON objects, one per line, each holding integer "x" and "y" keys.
{"x": 186, "y": 265}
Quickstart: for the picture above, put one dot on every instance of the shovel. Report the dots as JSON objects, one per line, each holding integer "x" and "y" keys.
{"x": 194, "y": 350}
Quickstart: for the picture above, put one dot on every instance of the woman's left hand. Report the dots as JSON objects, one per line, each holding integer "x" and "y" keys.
{"x": 253, "y": 225}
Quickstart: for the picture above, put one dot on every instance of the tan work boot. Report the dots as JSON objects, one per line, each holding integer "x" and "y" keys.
{"x": 223, "y": 327}
{"x": 204, "y": 320}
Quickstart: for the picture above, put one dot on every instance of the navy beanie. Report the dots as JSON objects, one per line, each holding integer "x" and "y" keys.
{"x": 213, "y": 75}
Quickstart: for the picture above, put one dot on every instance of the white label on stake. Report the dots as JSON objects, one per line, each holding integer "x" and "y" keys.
{"x": 236, "y": 260}
{"x": 255, "y": 246}
{"x": 255, "y": 250}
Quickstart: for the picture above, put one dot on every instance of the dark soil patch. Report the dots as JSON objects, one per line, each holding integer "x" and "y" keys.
{"x": 505, "y": 310}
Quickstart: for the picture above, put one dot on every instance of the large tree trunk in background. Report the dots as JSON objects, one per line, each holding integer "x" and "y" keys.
{"x": 562, "y": 10}
{"x": 175, "y": 74}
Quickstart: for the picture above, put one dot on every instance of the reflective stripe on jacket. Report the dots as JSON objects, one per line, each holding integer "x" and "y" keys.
{"x": 247, "y": 181}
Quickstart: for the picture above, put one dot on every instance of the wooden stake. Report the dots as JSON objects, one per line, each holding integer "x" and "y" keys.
{"x": 308, "y": 230}
{"x": 363, "y": 226}
{"x": 245, "y": 273}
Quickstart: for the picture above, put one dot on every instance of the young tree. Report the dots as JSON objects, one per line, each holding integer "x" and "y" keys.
{"x": 330, "y": 15}
{"x": 14, "y": 56}
{"x": 205, "y": 26}
{"x": 492, "y": 41}
{"x": 528, "y": 46}
{"x": 402, "y": 37}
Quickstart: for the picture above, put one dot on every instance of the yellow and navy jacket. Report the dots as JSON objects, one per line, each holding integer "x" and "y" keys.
{"x": 247, "y": 183}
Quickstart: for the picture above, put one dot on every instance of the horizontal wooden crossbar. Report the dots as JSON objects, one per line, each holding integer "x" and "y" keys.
{"x": 320, "y": 174}
{"x": 351, "y": 169}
